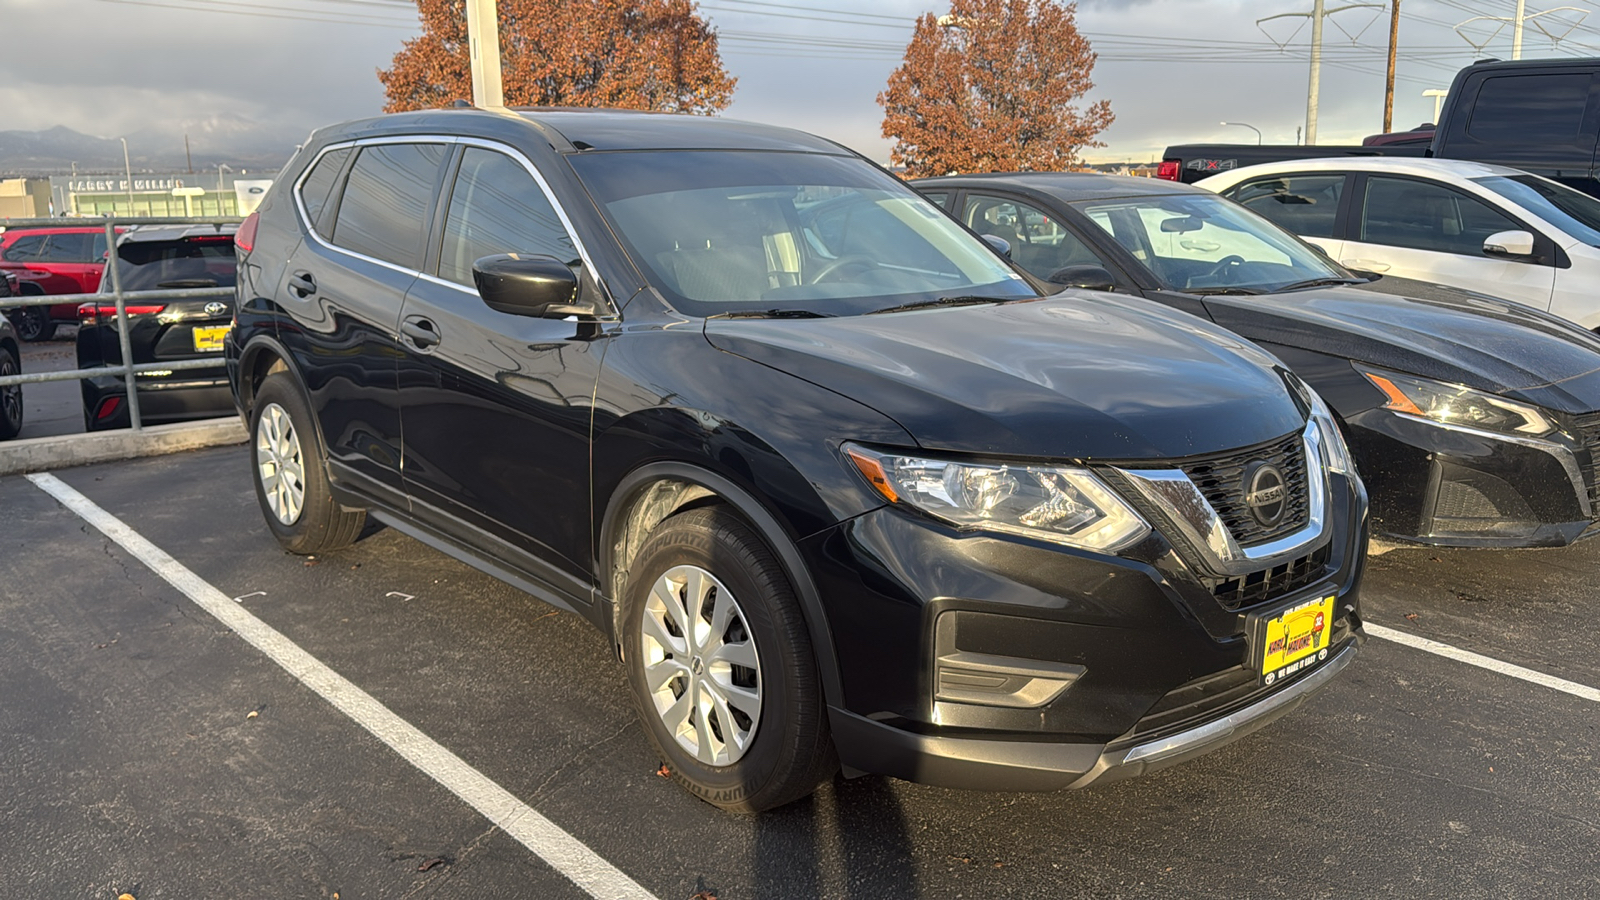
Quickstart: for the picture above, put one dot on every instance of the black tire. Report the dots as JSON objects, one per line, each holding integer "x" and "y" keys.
{"x": 279, "y": 417}
{"x": 33, "y": 324}
{"x": 10, "y": 397}
{"x": 789, "y": 750}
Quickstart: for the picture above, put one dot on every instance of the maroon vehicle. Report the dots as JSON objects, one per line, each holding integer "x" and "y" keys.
{"x": 63, "y": 259}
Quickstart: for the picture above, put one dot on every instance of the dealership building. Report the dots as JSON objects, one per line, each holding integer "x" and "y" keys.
{"x": 155, "y": 194}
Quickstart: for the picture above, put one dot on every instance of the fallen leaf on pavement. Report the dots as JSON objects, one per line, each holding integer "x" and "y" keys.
{"x": 1412, "y": 616}
{"x": 664, "y": 772}
{"x": 251, "y": 714}
{"x": 436, "y": 861}
{"x": 704, "y": 895}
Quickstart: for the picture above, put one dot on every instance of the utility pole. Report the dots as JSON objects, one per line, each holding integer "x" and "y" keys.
{"x": 1516, "y": 29}
{"x": 187, "y": 156}
{"x": 483, "y": 37}
{"x": 1313, "y": 89}
{"x": 1388, "y": 81}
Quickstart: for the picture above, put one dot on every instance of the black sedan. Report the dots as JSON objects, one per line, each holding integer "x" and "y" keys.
{"x": 161, "y": 258}
{"x": 1475, "y": 421}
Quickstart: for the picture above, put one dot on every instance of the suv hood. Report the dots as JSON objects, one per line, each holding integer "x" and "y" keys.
{"x": 1433, "y": 331}
{"x": 1076, "y": 375}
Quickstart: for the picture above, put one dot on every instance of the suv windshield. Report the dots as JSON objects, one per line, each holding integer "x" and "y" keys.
{"x": 736, "y": 231}
{"x": 191, "y": 262}
{"x": 1576, "y": 213}
{"x": 1206, "y": 244}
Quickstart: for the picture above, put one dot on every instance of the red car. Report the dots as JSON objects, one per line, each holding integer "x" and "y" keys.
{"x": 52, "y": 260}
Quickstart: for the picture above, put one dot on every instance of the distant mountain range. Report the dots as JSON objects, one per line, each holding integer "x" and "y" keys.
{"x": 228, "y": 139}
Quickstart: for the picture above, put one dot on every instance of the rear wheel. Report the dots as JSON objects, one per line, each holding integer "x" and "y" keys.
{"x": 10, "y": 397}
{"x": 721, "y": 667}
{"x": 33, "y": 324}
{"x": 291, "y": 475}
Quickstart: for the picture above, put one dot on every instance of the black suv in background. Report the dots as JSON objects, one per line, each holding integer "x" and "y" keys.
{"x": 841, "y": 485}
{"x": 153, "y": 258}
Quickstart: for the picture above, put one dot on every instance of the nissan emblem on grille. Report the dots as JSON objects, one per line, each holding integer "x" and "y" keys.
{"x": 1264, "y": 492}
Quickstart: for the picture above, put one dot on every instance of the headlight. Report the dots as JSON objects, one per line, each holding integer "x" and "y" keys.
{"x": 1455, "y": 405}
{"x": 1054, "y": 503}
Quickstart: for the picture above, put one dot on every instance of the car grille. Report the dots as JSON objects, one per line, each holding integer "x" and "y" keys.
{"x": 1221, "y": 479}
{"x": 1589, "y": 431}
{"x": 1270, "y": 583}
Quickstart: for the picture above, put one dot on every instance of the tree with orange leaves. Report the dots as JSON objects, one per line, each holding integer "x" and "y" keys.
{"x": 990, "y": 87}
{"x": 634, "y": 54}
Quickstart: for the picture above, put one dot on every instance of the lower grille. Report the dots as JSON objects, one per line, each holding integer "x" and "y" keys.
{"x": 1268, "y": 584}
{"x": 1589, "y": 431}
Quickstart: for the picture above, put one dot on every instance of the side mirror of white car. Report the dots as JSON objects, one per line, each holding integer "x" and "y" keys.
{"x": 1510, "y": 244}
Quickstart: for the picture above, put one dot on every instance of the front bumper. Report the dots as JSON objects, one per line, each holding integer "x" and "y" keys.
{"x": 1046, "y": 766}
{"x": 973, "y": 660}
{"x": 1453, "y": 486}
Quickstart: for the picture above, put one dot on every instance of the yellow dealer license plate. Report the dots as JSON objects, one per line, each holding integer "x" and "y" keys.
{"x": 208, "y": 339}
{"x": 1294, "y": 639}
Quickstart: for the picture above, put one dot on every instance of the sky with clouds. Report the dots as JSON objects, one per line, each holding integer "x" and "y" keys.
{"x": 1172, "y": 69}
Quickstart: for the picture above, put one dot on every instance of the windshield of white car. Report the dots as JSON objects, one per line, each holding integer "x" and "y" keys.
{"x": 719, "y": 231}
{"x": 1209, "y": 245}
{"x": 1574, "y": 212}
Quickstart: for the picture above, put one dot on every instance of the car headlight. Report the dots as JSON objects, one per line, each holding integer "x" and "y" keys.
{"x": 1452, "y": 404}
{"x": 1063, "y": 504}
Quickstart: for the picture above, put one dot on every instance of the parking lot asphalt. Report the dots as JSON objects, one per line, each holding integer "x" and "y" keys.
{"x": 145, "y": 748}
{"x": 52, "y": 407}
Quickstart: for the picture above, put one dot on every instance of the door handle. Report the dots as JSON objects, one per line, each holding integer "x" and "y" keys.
{"x": 302, "y": 284}
{"x": 1366, "y": 265}
{"x": 421, "y": 332}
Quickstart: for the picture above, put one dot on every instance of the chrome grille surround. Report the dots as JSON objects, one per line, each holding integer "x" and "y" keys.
{"x": 1186, "y": 508}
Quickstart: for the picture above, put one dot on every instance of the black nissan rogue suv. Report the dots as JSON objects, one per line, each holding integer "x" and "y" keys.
{"x": 842, "y": 486}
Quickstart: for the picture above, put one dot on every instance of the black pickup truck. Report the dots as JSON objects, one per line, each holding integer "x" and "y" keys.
{"x": 1539, "y": 115}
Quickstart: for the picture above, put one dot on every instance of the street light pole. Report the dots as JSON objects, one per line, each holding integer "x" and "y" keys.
{"x": 1251, "y": 127}
{"x": 127, "y": 169}
{"x": 483, "y": 39}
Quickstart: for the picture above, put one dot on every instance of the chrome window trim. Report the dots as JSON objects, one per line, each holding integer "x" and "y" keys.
{"x": 450, "y": 140}
{"x": 1187, "y": 509}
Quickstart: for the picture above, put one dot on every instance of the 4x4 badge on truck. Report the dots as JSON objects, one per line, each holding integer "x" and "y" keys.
{"x": 1264, "y": 492}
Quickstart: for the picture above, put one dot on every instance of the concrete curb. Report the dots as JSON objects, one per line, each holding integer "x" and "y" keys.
{"x": 65, "y": 451}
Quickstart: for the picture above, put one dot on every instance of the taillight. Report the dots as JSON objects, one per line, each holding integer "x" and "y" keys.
{"x": 1170, "y": 170}
{"x": 92, "y": 313}
{"x": 245, "y": 238}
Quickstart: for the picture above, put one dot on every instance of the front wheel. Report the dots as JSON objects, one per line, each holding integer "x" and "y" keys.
{"x": 290, "y": 475}
{"x": 721, "y": 667}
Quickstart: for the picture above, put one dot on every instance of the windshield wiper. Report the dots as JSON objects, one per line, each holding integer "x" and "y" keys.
{"x": 773, "y": 314}
{"x": 1211, "y": 292}
{"x": 942, "y": 301}
{"x": 1318, "y": 282}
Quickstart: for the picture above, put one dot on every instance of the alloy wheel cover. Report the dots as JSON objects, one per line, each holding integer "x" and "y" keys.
{"x": 280, "y": 465}
{"x": 701, "y": 667}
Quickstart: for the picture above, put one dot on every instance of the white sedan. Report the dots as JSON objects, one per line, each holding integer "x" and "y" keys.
{"x": 1484, "y": 228}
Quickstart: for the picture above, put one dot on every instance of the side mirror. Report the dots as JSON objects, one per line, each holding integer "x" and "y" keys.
{"x": 1508, "y": 244}
{"x": 1090, "y": 278}
{"x": 1000, "y": 244}
{"x": 540, "y": 287}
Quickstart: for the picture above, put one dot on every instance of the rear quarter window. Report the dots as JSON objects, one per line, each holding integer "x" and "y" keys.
{"x": 1530, "y": 109}
{"x": 318, "y": 187}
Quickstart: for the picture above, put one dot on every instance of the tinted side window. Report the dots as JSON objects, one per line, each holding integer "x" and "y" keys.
{"x": 1300, "y": 204}
{"x": 386, "y": 201}
{"x": 497, "y": 207}
{"x": 1426, "y": 216}
{"x": 69, "y": 248}
{"x": 938, "y": 198}
{"x": 1530, "y": 109}
{"x": 1038, "y": 242}
{"x": 319, "y": 184}
{"x": 27, "y": 247}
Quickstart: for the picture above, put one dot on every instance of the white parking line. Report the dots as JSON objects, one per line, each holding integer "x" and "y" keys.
{"x": 1484, "y": 662}
{"x": 565, "y": 853}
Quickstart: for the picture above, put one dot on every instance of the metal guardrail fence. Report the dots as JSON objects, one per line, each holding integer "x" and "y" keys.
{"x": 126, "y": 370}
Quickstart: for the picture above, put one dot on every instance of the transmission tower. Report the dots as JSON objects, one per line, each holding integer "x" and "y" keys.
{"x": 1318, "y": 13}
